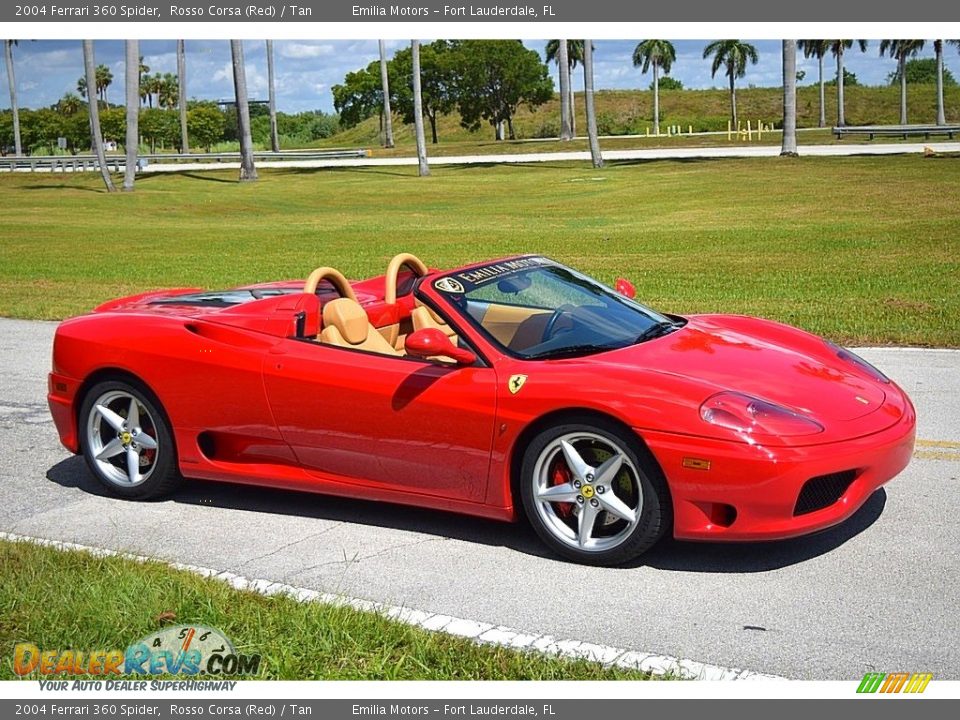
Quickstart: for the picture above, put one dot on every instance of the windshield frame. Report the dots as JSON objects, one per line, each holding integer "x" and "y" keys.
{"x": 476, "y": 276}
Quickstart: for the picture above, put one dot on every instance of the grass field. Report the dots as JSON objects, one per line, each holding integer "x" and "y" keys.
{"x": 73, "y": 600}
{"x": 863, "y": 250}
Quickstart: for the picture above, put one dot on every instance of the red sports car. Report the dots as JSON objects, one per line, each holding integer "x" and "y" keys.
{"x": 517, "y": 383}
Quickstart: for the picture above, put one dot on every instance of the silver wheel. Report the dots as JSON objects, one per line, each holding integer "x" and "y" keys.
{"x": 587, "y": 492}
{"x": 122, "y": 439}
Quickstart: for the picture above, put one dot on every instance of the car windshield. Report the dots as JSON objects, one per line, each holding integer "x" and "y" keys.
{"x": 536, "y": 309}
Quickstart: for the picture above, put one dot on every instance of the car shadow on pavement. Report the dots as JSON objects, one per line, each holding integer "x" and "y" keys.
{"x": 670, "y": 555}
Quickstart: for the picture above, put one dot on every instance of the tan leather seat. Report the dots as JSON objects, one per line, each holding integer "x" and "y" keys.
{"x": 424, "y": 317}
{"x": 345, "y": 324}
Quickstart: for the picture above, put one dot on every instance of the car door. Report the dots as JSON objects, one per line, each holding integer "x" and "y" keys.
{"x": 391, "y": 422}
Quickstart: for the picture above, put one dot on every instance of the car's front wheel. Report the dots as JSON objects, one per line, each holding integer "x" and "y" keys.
{"x": 593, "y": 493}
{"x": 126, "y": 440}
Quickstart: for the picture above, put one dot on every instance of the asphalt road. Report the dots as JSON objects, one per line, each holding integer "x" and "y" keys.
{"x": 877, "y": 593}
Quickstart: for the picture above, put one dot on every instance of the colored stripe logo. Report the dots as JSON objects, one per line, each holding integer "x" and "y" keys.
{"x": 894, "y": 682}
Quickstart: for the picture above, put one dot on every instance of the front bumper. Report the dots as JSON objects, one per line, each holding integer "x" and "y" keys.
{"x": 750, "y": 492}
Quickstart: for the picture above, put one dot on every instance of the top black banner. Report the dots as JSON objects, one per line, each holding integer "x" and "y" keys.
{"x": 455, "y": 11}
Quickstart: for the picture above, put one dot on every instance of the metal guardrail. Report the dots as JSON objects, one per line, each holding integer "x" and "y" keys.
{"x": 896, "y": 130}
{"x": 81, "y": 163}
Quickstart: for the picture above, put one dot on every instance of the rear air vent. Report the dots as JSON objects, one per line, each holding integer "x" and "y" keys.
{"x": 823, "y": 491}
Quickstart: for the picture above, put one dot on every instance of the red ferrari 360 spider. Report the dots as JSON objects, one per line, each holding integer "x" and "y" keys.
{"x": 481, "y": 390}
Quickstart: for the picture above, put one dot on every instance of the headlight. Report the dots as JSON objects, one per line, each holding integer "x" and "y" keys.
{"x": 752, "y": 416}
{"x": 855, "y": 359}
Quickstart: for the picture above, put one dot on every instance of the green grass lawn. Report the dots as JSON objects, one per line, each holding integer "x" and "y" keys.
{"x": 73, "y": 600}
{"x": 863, "y": 250}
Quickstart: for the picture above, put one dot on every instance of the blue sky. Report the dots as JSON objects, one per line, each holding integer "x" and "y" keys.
{"x": 307, "y": 69}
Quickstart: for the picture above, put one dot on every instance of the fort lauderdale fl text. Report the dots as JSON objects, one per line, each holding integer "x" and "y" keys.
{"x": 527, "y": 11}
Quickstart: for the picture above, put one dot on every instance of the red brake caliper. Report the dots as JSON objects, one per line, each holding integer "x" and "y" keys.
{"x": 559, "y": 476}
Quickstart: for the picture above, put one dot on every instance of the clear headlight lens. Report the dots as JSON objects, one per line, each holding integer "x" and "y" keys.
{"x": 854, "y": 359}
{"x": 752, "y": 416}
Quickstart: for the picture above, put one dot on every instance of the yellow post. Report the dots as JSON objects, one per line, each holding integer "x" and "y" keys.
{"x": 689, "y": 129}
{"x": 749, "y": 132}
{"x": 759, "y": 130}
{"x": 729, "y": 130}
{"x": 648, "y": 131}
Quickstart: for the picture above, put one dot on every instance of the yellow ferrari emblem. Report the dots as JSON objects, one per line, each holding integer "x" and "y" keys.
{"x": 515, "y": 383}
{"x": 125, "y": 438}
{"x": 587, "y": 491}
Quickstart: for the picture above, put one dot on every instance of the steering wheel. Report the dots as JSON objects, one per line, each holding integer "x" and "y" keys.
{"x": 334, "y": 277}
{"x": 551, "y": 325}
{"x": 393, "y": 271}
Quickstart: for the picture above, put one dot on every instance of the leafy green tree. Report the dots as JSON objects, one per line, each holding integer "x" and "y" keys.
{"x": 360, "y": 96}
{"x": 819, "y": 50}
{"x": 732, "y": 55}
{"x": 922, "y": 71}
{"x": 659, "y": 55}
{"x": 69, "y": 104}
{"x": 159, "y": 127}
{"x": 668, "y": 83}
{"x": 494, "y": 77}
{"x": 206, "y": 124}
{"x": 437, "y": 78}
{"x": 113, "y": 123}
{"x": 849, "y": 80}
{"x": 901, "y": 50}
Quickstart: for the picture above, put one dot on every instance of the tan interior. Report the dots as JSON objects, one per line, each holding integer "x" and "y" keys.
{"x": 345, "y": 324}
{"x": 424, "y": 317}
{"x": 515, "y": 327}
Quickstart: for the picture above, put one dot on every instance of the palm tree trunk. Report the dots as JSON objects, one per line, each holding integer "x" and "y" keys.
{"x": 432, "y": 117}
{"x": 823, "y": 108}
{"x": 511, "y": 133}
{"x": 248, "y": 172}
{"x": 12, "y": 83}
{"x": 132, "y": 87}
{"x": 789, "y": 144}
{"x": 840, "y": 119}
{"x": 563, "y": 66}
{"x": 96, "y": 138}
{"x": 182, "y": 94}
{"x": 656, "y": 97}
{"x": 595, "y": 155}
{"x": 902, "y": 62}
{"x": 274, "y": 135}
{"x": 733, "y": 96}
{"x": 573, "y": 109}
{"x": 424, "y": 168}
{"x": 385, "y": 83}
{"x": 938, "y": 48}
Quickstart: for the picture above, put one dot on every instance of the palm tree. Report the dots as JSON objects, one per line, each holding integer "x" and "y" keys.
{"x": 817, "y": 49}
{"x": 272, "y": 89}
{"x": 733, "y": 55}
{"x": 12, "y": 85}
{"x": 168, "y": 91}
{"x": 424, "y": 168}
{"x": 69, "y": 104}
{"x": 938, "y": 48}
{"x": 901, "y": 50}
{"x": 789, "y": 144}
{"x": 837, "y": 47}
{"x": 574, "y": 57}
{"x": 248, "y": 171}
{"x": 132, "y": 83}
{"x": 595, "y": 155}
{"x": 385, "y": 84}
{"x": 104, "y": 78}
{"x": 182, "y": 94}
{"x": 93, "y": 108}
{"x": 563, "y": 68}
{"x": 658, "y": 54}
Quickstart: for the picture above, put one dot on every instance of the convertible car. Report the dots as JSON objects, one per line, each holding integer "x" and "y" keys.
{"x": 516, "y": 387}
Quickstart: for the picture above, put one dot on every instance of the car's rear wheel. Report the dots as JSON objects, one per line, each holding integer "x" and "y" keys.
{"x": 126, "y": 440}
{"x": 593, "y": 493}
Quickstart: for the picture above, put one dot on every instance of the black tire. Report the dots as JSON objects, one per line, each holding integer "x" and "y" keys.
{"x": 638, "y": 467}
{"x": 158, "y": 473}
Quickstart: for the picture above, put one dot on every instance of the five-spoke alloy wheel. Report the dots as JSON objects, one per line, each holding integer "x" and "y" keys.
{"x": 126, "y": 440}
{"x": 593, "y": 493}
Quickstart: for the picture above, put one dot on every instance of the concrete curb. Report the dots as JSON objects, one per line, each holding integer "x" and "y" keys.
{"x": 479, "y": 632}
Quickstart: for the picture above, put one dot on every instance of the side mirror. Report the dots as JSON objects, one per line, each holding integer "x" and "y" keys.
{"x": 625, "y": 288}
{"x": 431, "y": 342}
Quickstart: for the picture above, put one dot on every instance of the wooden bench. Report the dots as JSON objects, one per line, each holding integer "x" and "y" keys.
{"x": 896, "y": 130}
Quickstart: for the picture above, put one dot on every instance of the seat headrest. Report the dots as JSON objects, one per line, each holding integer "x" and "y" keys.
{"x": 349, "y": 318}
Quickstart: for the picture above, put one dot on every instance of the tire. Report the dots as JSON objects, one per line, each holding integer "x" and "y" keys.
{"x": 108, "y": 442}
{"x": 627, "y": 500}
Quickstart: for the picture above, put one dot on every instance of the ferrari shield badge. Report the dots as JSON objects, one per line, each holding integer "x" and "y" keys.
{"x": 515, "y": 383}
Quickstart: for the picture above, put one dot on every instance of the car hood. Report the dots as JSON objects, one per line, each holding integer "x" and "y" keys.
{"x": 761, "y": 358}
